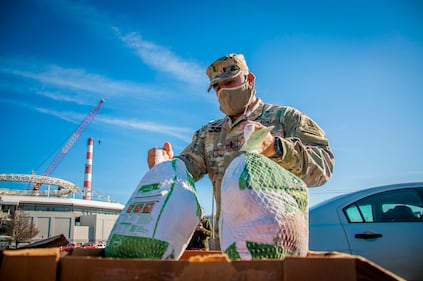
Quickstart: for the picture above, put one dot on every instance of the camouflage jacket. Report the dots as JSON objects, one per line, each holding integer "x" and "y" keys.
{"x": 306, "y": 151}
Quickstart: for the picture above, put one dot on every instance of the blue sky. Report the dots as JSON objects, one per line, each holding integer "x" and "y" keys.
{"x": 355, "y": 67}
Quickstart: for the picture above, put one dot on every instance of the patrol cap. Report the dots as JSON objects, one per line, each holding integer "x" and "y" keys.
{"x": 226, "y": 67}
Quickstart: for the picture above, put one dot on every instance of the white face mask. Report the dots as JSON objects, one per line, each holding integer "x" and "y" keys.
{"x": 234, "y": 101}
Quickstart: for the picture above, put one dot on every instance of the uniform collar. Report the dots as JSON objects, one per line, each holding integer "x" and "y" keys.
{"x": 251, "y": 114}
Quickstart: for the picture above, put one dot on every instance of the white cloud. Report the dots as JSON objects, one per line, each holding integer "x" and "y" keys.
{"x": 67, "y": 116}
{"x": 74, "y": 85}
{"x": 181, "y": 133}
{"x": 163, "y": 59}
{"x": 154, "y": 55}
{"x": 177, "y": 132}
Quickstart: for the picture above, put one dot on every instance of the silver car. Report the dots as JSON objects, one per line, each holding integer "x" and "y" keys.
{"x": 383, "y": 224}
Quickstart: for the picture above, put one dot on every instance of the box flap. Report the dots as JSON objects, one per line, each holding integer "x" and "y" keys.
{"x": 87, "y": 252}
{"x": 333, "y": 265}
{"x": 213, "y": 265}
{"x": 30, "y": 264}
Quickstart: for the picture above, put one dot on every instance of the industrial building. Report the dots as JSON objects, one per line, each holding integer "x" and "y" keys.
{"x": 51, "y": 204}
{"x": 80, "y": 221}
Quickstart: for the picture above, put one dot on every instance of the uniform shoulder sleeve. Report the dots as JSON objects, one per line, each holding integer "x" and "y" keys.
{"x": 295, "y": 123}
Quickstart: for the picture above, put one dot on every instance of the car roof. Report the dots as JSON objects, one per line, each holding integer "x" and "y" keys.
{"x": 358, "y": 194}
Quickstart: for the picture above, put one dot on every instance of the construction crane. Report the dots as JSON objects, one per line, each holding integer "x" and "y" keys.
{"x": 70, "y": 142}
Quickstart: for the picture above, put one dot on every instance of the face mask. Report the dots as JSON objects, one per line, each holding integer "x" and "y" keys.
{"x": 234, "y": 101}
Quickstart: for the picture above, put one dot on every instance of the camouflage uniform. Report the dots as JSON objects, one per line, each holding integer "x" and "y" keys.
{"x": 306, "y": 151}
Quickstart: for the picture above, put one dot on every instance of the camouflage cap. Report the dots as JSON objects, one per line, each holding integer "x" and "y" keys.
{"x": 226, "y": 67}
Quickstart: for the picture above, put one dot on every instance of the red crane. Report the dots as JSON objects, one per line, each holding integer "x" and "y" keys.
{"x": 71, "y": 141}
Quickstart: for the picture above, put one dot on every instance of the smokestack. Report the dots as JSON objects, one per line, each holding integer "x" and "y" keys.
{"x": 88, "y": 170}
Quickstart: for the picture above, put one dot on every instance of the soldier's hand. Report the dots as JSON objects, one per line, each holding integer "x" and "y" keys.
{"x": 268, "y": 147}
{"x": 166, "y": 150}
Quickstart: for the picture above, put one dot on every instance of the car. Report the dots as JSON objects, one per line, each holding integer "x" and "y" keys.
{"x": 89, "y": 246}
{"x": 383, "y": 224}
{"x": 67, "y": 248}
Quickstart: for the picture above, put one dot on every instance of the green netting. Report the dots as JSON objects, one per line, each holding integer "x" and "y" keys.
{"x": 261, "y": 173}
{"x": 264, "y": 210}
{"x": 258, "y": 251}
{"x": 122, "y": 246}
{"x": 266, "y": 251}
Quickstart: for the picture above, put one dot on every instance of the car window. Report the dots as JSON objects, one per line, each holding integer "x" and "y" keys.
{"x": 359, "y": 213}
{"x": 401, "y": 205}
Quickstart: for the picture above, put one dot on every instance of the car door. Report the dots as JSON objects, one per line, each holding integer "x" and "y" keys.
{"x": 387, "y": 229}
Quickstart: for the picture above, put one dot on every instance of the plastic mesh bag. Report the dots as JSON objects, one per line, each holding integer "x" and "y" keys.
{"x": 264, "y": 210}
{"x": 159, "y": 218}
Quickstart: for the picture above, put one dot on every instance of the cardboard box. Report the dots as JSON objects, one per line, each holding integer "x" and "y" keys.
{"x": 91, "y": 265}
{"x": 205, "y": 265}
{"x": 30, "y": 264}
{"x": 189, "y": 254}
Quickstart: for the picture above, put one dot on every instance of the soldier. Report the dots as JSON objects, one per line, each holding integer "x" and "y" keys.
{"x": 296, "y": 142}
{"x": 202, "y": 233}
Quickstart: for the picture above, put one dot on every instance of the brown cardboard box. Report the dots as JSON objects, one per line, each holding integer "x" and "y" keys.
{"x": 334, "y": 266}
{"x": 90, "y": 264}
{"x": 187, "y": 254}
{"x": 202, "y": 265}
{"x": 30, "y": 264}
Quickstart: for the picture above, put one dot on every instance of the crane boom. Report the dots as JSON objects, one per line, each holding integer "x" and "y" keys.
{"x": 70, "y": 142}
